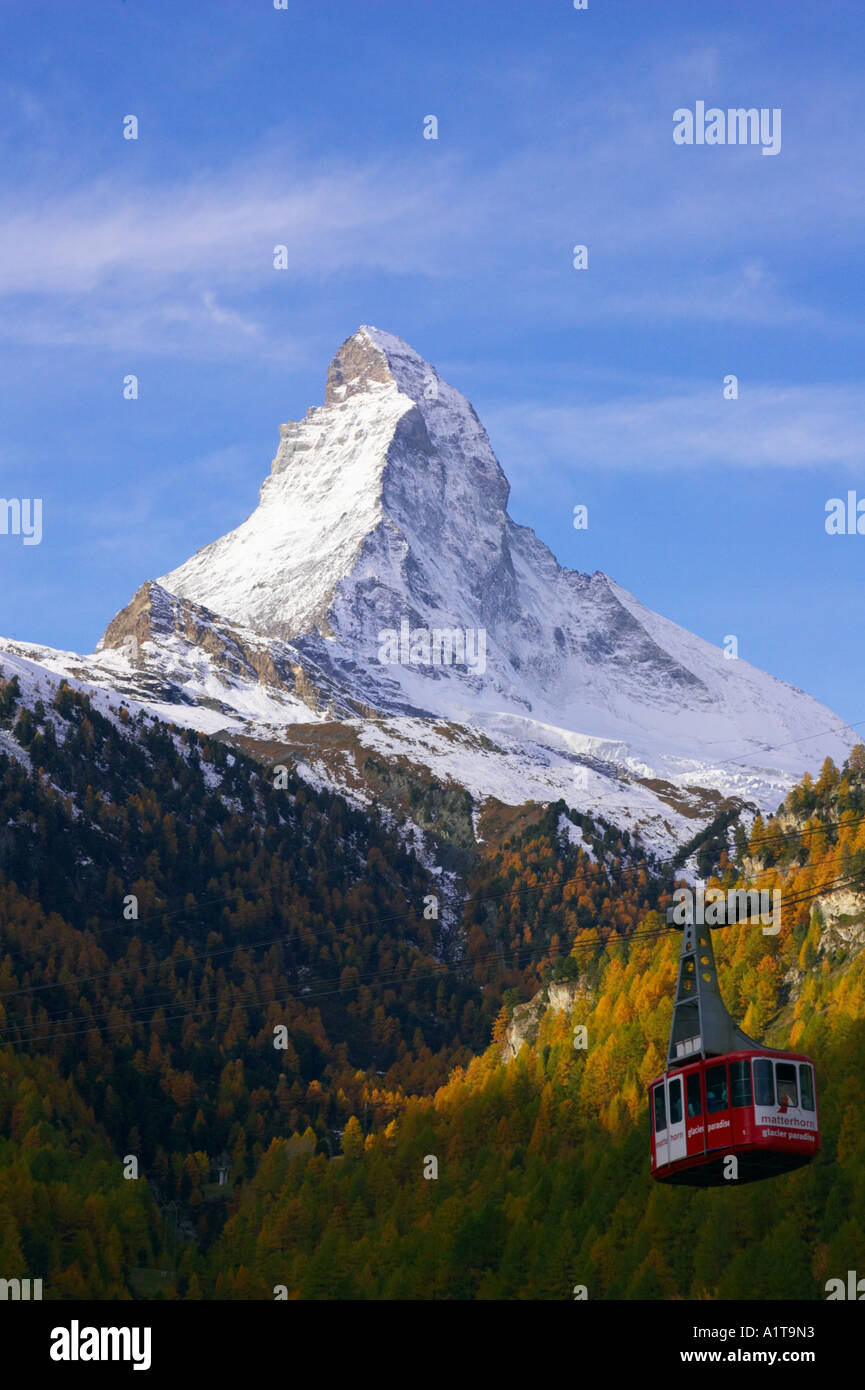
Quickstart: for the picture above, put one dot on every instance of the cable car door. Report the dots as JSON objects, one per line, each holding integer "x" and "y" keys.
{"x": 659, "y": 1120}
{"x": 677, "y": 1144}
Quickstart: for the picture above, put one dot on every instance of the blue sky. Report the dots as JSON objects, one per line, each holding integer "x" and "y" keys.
{"x": 603, "y": 387}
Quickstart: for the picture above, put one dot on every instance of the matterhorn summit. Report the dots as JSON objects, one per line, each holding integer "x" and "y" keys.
{"x": 380, "y": 600}
{"x": 360, "y": 491}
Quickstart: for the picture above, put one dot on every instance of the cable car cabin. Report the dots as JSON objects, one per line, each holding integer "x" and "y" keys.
{"x": 759, "y": 1105}
{"x": 725, "y": 1094}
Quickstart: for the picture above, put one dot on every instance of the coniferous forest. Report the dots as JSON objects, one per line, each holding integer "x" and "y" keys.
{"x": 243, "y": 1057}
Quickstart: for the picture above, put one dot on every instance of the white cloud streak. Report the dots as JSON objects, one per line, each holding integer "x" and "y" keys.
{"x": 767, "y": 427}
{"x": 185, "y": 266}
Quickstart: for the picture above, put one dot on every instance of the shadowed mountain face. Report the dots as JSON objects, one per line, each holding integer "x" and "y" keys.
{"x": 381, "y": 581}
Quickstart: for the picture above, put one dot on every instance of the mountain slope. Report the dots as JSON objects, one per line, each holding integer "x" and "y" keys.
{"x": 543, "y": 1179}
{"x": 382, "y": 542}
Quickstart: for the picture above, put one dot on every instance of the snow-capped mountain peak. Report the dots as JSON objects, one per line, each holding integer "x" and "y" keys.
{"x": 380, "y": 582}
{"x": 394, "y": 450}
{"x": 386, "y": 513}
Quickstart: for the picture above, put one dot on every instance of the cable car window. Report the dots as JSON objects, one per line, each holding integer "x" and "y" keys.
{"x": 695, "y": 1100}
{"x": 675, "y": 1101}
{"x": 788, "y": 1093}
{"x": 660, "y": 1110}
{"x": 740, "y": 1082}
{"x": 764, "y": 1081}
{"x": 807, "y": 1083}
{"x": 716, "y": 1089}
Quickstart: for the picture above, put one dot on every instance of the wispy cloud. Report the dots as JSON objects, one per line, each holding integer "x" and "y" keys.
{"x": 187, "y": 265}
{"x": 226, "y": 228}
{"x": 767, "y": 427}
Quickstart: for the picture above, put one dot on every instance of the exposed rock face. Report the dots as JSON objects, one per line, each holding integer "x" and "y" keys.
{"x": 155, "y": 616}
{"x": 523, "y": 1027}
{"x": 563, "y": 996}
{"x": 357, "y": 366}
{"x": 843, "y": 916}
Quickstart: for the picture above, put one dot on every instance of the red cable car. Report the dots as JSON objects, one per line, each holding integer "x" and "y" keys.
{"x": 723, "y": 1095}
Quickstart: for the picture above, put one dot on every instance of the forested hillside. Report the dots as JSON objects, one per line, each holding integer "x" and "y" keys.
{"x": 543, "y": 1180}
{"x": 205, "y": 966}
{"x": 66, "y": 1214}
{"x": 208, "y": 956}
